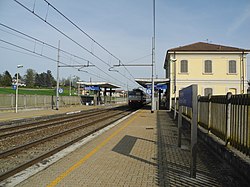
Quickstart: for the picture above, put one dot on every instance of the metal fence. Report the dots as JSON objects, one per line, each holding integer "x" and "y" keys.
{"x": 227, "y": 117}
{"x": 7, "y": 102}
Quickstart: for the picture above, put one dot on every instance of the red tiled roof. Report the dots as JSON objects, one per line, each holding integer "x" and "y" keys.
{"x": 201, "y": 46}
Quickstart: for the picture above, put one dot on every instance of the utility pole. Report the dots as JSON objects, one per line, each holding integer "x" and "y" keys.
{"x": 57, "y": 77}
{"x": 18, "y": 66}
{"x": 153, "y": 61}
{"x": 70, "y": 86}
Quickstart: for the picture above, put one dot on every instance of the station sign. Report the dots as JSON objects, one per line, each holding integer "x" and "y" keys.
{"x": 14, "y": 87}
{"x": 158, "y": 86}
{"x": 188, "y": 98}
{"x": 185, "y": 97}
{"x": 92, "y": 88}
{"x": 149, "y": 91}
{"x": 60, "y": 90}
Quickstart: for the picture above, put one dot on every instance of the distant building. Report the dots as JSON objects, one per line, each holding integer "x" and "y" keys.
{"x": 215, "y": 68}
{"x": 20, "y": 82}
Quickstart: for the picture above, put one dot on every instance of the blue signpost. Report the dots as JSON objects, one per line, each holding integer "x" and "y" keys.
{"x": 188, "y": 98}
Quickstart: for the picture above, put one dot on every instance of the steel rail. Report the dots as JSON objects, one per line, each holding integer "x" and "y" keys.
{"x": 54, "y": 123}
{"x": 25, "y": 165}
{"x": 47, "y": 120}
{"x": 12, "y": 151}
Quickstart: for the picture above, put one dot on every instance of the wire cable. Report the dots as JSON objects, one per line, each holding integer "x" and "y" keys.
{"x": 61, "y": 32}
{"x": 85, "y": 33}
{"x": 49, "y": 58}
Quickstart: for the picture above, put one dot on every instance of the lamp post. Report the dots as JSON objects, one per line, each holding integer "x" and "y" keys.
{"x": 18, "y": 66}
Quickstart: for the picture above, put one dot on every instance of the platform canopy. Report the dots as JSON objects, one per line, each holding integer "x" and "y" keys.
{"x": 148, "y": 81}
{"x": 101, "y": 84}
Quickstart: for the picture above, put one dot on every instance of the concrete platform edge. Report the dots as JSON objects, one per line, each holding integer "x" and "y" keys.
{"x": 21, "y": 176}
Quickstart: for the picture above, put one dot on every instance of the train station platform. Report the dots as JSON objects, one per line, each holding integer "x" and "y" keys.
{"x": 139, "y": 151}
{"x": 10, "y": 115}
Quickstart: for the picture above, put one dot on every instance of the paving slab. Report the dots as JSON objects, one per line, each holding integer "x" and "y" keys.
{"x": 140, "y": 151}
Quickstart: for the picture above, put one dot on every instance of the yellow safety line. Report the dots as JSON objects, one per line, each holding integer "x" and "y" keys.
{"x": 91, "y": 153}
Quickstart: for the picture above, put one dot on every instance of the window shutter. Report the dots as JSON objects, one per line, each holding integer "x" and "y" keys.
{"x": 208, "y": 66}
{"x": 232, "y": 66}
{"x": 184, "y": 66}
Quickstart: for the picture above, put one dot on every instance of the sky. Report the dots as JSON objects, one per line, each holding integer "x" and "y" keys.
{"x": 123, "y": 29}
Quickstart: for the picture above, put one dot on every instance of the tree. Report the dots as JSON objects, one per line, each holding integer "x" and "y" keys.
{"x": 67, "y": 82}
{"x": 29, "y": 78}
{"x": 1, "y": 76}
{"x": 50, "y": 79}
{"x": 40, "y": 80}
{"x": 6, "y": 79}
{"x": 45, "y": 80}
{"x": 74, "y": 80}
{"x": 19, "y": 76}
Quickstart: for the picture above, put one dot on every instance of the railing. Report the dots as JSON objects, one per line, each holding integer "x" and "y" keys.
{"x": 227, "y": 117}
{"x": 7, "y": 102}
{"x": 35, "y": 101}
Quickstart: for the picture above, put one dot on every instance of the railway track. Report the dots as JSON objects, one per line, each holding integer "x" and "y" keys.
{"x": 25, "y": 145}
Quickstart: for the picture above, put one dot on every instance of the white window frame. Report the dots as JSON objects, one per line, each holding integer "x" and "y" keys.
{"x": 230, "y": 73}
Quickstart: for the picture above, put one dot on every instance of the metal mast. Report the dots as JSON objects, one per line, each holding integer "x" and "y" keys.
{"x": 153, "y": 61}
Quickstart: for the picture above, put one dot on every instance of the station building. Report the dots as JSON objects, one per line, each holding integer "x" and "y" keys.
{"x": 216, "y": 69}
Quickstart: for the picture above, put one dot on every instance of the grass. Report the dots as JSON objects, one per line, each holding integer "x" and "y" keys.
{"x": 31, "y": 91}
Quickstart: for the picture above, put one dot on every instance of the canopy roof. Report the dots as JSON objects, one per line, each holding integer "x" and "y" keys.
{"x": 101, "y": 84}
{"x": 148, "y": 81}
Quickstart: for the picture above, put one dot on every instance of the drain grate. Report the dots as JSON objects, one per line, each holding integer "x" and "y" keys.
{"x": 149, "y": 128}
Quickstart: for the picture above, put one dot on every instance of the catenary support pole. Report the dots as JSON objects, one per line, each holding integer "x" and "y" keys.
{"x": 57, "y": 78}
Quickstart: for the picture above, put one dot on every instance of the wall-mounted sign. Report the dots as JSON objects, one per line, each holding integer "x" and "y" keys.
{"x": 158, "y": 86}
{"x": 92, "y": 88}
{"x": 60, "y": 90}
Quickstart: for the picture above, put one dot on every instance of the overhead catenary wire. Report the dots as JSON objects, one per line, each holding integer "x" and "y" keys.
{"x": 61, "y": 50}
{"x": 85, "y": 33}
{"x": 61, "y": 32}
{"x": 36, "y": 54}
{"x": 38, "y": 40}
{"x": 33, "y": 53}
{"x": 9, "y": 49}
{"x": 81, "y": 30}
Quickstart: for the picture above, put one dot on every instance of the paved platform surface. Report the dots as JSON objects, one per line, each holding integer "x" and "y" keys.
{"x": 140, "y": 151}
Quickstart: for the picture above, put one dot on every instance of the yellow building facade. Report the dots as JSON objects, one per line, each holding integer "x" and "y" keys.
{"x": 216, "y": 69}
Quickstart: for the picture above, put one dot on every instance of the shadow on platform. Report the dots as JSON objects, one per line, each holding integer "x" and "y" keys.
{"x": 126, "y": 145}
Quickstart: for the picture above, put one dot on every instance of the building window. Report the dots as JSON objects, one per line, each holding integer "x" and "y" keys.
{"x": 232, "y": 66}
{"x": 184, "y": 66}
{"x": 208, "y": 91}
{"x": 208, "y": 66}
